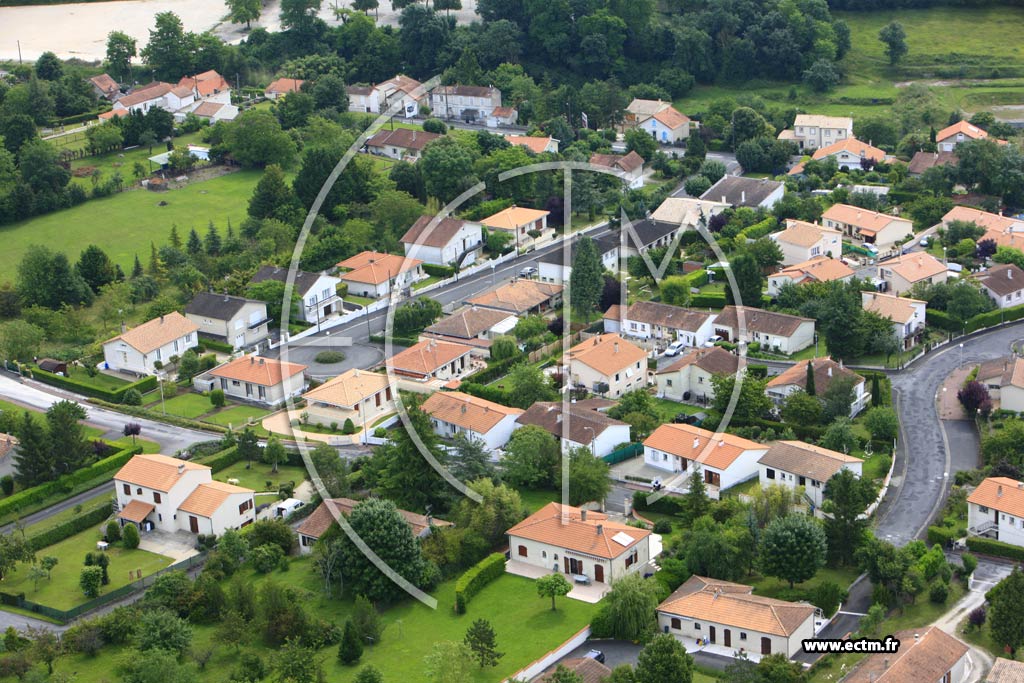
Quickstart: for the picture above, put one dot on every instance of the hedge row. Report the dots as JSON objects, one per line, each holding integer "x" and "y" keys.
{"x": 697, "y": 278}
{"x": 760, "y": 229}
{"x": 398, "y": 341}
{"x": 69, "y": 528}
{"x": 436, "y": 270}
{"x": 214, "y": 345}
{"x": 666, "y": 505}
{"x": 139, "y": 411}
{"x": 988, "y": 546}
{"x": 476, "y": 577}
{"x": 485, "y": 392}
{"x": 494, "y": 370}
{"x": 221, "y": 459}
{"x": 67, "y": 483}
{"x": 994, "y": 318}
{"x": 145, "y": 384}
{"x": 708, "y": 300}
{"x": 942, "y": 535}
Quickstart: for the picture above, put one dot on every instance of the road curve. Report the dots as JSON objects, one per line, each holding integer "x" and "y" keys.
{"x": 931, "y": 451}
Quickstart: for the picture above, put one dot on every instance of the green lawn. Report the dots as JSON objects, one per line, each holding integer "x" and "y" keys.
{"x": 525, "y": 625}
{"x": 427, "y": 282}
{"x": 61, "y": 591}
{"x": 123, "y": 161}
{"x": 360, "y": 300}
{"x": 535, "y": 499}
{"x": 91, "y": 433}
{"x": 125, "y": 224}
{"x": 67, "y": 515}
{"x": 257, "y": 477}
{"x": 667, "y": 410}
{"x": 236, "y": 416}
{"x": 772, "y": 587}
{"x": 186, "y": 405}
{"x": 99, "y": 381}
{"x": 981, "y": 638}
{"x": 922, "y": 612}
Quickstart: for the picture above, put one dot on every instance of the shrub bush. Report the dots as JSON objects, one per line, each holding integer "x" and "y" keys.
{"x": 132, "y": 397}
{"x": 663, "y": 526}
{"x": 380, "y": 432}
{"x": 708, "y": 300}
{"x": 113, "y": 531}
{"x": 329, "y": 357}
{"x": 828, "y": 595}
{"x": 939, "y": 592}
{"x": 941, "y": 535}
{"x": 130, "y": 537}
{"x": 217, "y": 399}
{"x": 7, "y": 484}
{"x": 350, "y": 427}
{"x": 476, "y": 577}
{"x": 265, "y": 558}
{"x": 969, "y": 562}
{"x": 758, "y": 230}
{"x": 436, "y": 270}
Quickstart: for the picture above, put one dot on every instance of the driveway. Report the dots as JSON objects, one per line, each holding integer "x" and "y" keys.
{"x": 357, "y": 355}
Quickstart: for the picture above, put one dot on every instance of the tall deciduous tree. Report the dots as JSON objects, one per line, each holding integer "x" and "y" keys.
{"x": 553, "y": 586}
{"x": 244, "y": 11}
{"x": 257, "y": 139}
{"x": 121, "y": 48}
{"x": 793, "y": 548}
{"x": 528, "y": 385}
{"x": 46, "y": 278}
{"x": 748, "y": 282}
{"x": 664, "y": 659}
{"x": 377, "y": 522}
{"x": 531, "y": 457}
{"x": 400, "y": 471}
{"x": 447, "y": 168}
{"x": 169, "y": 50}
{"x": 630, "y": 608}
{"x": 895, "y": 40}
{"x": 846, "y": 497}
{"x": 449, "y": 662}
{"x": 588, "y": 477}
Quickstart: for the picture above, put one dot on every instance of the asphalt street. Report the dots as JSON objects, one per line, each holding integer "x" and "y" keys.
{"x": 924, "y": 461}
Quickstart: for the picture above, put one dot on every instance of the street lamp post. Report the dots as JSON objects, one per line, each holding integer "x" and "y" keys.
{"x": 493, "y": 264}
{"x": 160, "y": 380}
{"x": 961, "y": 355}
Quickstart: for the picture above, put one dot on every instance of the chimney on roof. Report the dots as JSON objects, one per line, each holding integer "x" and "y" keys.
{"x": 262, "y": 361}
{"x": 181, "y": 468}
{"x": 696, "y": 442}
{"x": 616, "y": 347}
{"x": 463, "y": 408}
{"x": 830, "y": 371}
{"x": 356, "y": 372}
{"x": 999, "y": 491}
{"x": 723, "y": 199}
{"x": 583, "y": 515}
{"x": 721, "y": 443}
{"x": 743, "y": 196}
{"x": 124, "y": 328}
{"x": 161, "y": 320}
{"x": 558, "y": 419}
{"x": 252, "y": 359}
{"x": 600, "y": 529}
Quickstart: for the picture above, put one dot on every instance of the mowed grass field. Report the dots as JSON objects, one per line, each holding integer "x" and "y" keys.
{"x": 125, "y": 224}
{"x": 971, "y": 58}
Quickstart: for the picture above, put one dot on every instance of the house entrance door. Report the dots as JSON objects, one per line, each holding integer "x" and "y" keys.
{"x": 193, "y": 524}
{"x": 711, "y": 634}
{"x": 727, "y": 634}
{"x": 599, "y": 573}
{"x": 766, "y": 646}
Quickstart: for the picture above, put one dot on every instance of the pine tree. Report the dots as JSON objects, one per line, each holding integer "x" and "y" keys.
{"x": 175, "y": 239}
{"x": 212, "y": 242}
{"x": 350, "y": 649}
{"x": 194, "y": 245}
{"x": 876, "y": 391}
{"x": 695, "y": 501}
{"x": 137, "y": 268}
{"x": 68, "y": 445}
{"x": 810, "y": 379}
{"x": 32, "y": 462}
{"x": 695, "y": 147}
{"x": 586, "y": 281}
{"x": 482, "y": 641}
{"x": 156, "y": 266}
{"x": 1006, "y": 613}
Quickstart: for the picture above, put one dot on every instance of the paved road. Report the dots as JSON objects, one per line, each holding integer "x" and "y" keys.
{"x": 930, "y": 451}
{"x": 39, "y": 396}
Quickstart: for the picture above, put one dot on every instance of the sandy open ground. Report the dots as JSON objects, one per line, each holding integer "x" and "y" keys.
{"x": 80, "y": 30}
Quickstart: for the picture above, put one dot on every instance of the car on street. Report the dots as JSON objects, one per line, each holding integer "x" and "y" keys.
{"x": 595, "y": 654}
{"x": 528, "y": 272}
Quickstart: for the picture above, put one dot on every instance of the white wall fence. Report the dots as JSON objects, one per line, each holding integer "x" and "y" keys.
{"x": 533, "y": 670}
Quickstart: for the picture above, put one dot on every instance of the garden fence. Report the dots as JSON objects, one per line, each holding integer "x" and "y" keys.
{"x": 624, "y": 453}
{"x": 65, "y": 616}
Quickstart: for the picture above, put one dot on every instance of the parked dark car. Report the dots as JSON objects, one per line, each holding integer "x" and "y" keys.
{"x": 595, "y": 654}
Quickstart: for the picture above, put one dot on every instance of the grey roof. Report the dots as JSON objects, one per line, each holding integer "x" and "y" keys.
{"x": 217, "y": 306}
{"x": 1006, "y": 278}
{"x": 468, "y": 322}
{"x": 739, "y": 191}
{"x": 585, "y": 424}
{"x": 605, "y": 244}
{"x": 650, "y": 231}
{"x": 303, "y": 281}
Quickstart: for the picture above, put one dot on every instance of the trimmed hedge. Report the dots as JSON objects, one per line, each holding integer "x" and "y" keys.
{"x": 697, "y": 278}
{"x": 70, "y": 528}
{"x": 156, "y": 415}
{"x": 666, "y": 505}
{"x": 942, "y": 320}
{"x": 221, "y": 459}
{"x": 760, "y": 229}
{"x": 215, "y": 345}
{"x": 708, "y": 300}
{"x": 485, "y": 392}
{"x": 987, "y": 546}
{"x": 398, "y": 341}
{"x": 436, "y": 270}
{"x": 476, "y": 577}
{"x": 494, "y": 370}
{"x": 995, "y": 317}
{"x": 757, "y": 371}
{"x": 942, "y": 535}
{"x": 67, "y": 483}
{"x": 145, "y": 384}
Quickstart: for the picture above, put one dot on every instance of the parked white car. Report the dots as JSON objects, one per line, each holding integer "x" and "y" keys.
{"x": 675, "y": 348}
{"x": 712, "y": 341}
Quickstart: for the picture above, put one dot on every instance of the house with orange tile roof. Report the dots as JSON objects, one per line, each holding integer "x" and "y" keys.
{"x": 925, "y": 655}
{"x": 168, "y": 494}
{"x": 209, "y": 86}
{"x": 729, "y": 615}
{"x": 630, "y": 166}
{"x": 520, "y": 297}
{"x": 446, "y": 242}
{"x": 283, "y": 86}
{"x": 992, "y": 222}
{"x": 850, "y": 153}
{"x": 871, "y": 227}
{"x": 903, "y": 272}
{"x": 473, "y": 326}
{"x": 724, "y": 459}
{"x": 137, "y": 350}
{"x": 817, "y": 269}
{"x": 527, "y": 227}
{"x": 373, "y": 274}
{"x": 803, "y": 466}
{"x": 907, "y": 315}
{"x": 156, "y": 94}
{"x": 267, "y": 381}
{"x": 1004, "y": 379}
{"x": 431, "y": 359}
{"x": 689, "y": 378}
{"x": 668, "y": 126}
{"x": 399, "y": 89}
{"x": 608, "y": 365}
{"x": 587, "y": 669}
{"x": 1005, "y": 671}
{"x": 453, "y": 413}
{"x": 995, "y": 509}
{"x": 330, "y": 510}
{"x": 536, "y": 144}
{"x": 814, "y": 131}
{"x": 962, "y": 131}
{"x": 361, "y": 396}
{"x": 802, "y": 241}
{"x": 570, "y": 540}
{"x": 106, "y": 87}
{"x": 826, "y": 371}
{"x": 640, "y": 111}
